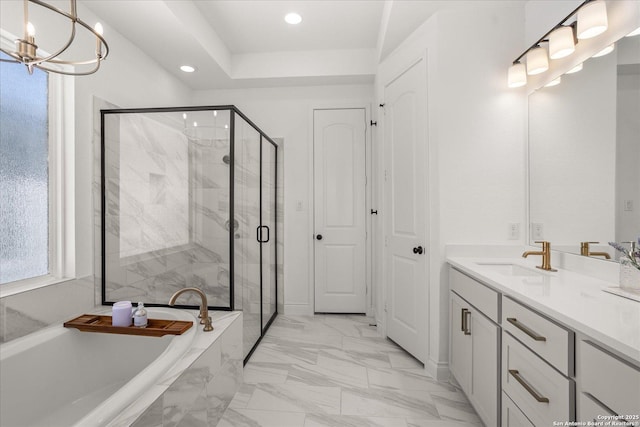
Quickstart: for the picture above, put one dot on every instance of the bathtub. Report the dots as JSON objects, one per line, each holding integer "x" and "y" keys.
{"x": 61, "y": 377}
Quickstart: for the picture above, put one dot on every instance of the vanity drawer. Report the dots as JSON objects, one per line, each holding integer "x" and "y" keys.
{"x": 480, "y": 296}
{"x": 610, "y": 380}
{"x": 549, "y": 340}
{"x": 590, "y": 410}
{"x": 512, "y": 416}
{"x": 542, "y": 394}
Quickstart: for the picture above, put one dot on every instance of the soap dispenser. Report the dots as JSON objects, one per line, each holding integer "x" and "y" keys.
{"x": 140, "y": 316}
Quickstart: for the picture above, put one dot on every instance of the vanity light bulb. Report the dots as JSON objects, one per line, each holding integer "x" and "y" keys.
{"x": 575, "y": 69}
{"x": 605, "y": 51}
{"x": 537, "y": 61}
{"x": 517, "y": 75}
{"x": 561, "y": 43}
{"x": 592, "y": 19}
{"x": 554, "y": 82}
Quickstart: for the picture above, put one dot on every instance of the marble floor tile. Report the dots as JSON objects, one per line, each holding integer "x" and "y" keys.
{"x": 318, "y": 420}
{"x": 455, "y": 406}
{"x": 252, "y": 418}
{"x": 296, "y": 398}
{"x": 404, "y": 379}
{"x": 336, "y": 371}
{"x": 387, "y": 403}
{"x": 328, "y": 375}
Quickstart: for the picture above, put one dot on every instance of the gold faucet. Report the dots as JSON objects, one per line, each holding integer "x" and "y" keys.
{"x": 204, "y": 310}
{"x": 584, "y": 250}
{"x": 546, "y": 256}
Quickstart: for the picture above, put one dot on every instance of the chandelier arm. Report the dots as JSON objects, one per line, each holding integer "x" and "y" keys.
{"x": 38, "y": 61}
{"x": 15, "y": 57}
{"x": 70, "y": 73}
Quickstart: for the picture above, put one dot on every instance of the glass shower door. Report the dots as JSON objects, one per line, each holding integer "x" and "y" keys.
{"x": 246, "y": 142}
{"x": 268, "y": 227}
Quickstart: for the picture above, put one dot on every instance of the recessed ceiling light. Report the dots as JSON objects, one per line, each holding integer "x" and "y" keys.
{"x": 187, "y": 68}
{"x": 293, "y": 18}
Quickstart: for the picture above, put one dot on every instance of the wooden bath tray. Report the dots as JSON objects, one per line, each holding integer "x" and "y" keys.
{"x": 155, "y": 327}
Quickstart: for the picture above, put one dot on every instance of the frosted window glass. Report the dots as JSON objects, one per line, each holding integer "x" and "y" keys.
{"x": 24, "y": 173}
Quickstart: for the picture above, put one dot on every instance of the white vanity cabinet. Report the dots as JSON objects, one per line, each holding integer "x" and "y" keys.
{"x": 609, "y": 385}
{"x": 475, "y": 344}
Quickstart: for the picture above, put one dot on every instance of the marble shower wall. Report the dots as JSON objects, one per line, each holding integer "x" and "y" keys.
{"x": 167, "y": 208}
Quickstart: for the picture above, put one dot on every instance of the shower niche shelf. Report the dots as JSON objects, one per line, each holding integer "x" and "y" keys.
{"x": 155, "y": 327}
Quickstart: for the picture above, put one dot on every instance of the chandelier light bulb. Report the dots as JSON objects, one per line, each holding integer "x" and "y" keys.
{"x": 98, "y": 28}
{"x": 31, "y": 30}
{"x": 517, "y": 75}
{"x": 537, "y": 61}
{"x": 561, "y": 43}
{"x": 592, "y": 19}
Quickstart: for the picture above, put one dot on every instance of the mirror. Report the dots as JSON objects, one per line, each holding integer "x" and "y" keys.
{"x": 584, "y": 154}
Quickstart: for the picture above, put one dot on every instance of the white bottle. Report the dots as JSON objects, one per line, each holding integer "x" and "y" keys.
{"x": 140, "y": 316}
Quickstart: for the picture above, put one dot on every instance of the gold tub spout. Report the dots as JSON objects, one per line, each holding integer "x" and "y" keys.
{"x": 546, "y": 256}
{"x": 204, "y": 309}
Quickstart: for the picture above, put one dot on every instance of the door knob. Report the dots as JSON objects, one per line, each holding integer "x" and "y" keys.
{"x": 319, "y": 237}
{"x": 418, "y": 250}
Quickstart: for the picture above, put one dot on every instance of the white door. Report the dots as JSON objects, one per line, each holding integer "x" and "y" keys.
{"x": 406, "y": 217}
{"x": 339, "y": 200}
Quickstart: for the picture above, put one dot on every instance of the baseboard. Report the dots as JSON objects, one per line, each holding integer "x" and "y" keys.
{"x": 439, "y": 371}
{"x": 298, "y": 309}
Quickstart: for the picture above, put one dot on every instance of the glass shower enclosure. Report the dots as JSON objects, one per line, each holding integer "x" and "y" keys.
{"x": 189, "y": 200}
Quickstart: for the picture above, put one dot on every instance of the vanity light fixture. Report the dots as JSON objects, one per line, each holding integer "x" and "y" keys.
{"x": 576, "y": 68}
{"x": 561, "y": 39}
{"x": 293, "y": 18}
{"x": 592, "y": 19}
{"x": 537, "y": 61}
{"x": 26, "y": 52}
{"x": 561, "y": 42}
{"x": 187, "y": 68}
{"x": 554, "y": 82}
{"x": 607, "y": 50}
{"x": 517, "y": 75}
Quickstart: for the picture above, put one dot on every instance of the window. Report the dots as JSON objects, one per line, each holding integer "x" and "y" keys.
{"x": 31, "y": 177}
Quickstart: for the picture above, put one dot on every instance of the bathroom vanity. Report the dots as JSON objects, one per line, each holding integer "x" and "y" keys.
{"x": 530, "y": 348}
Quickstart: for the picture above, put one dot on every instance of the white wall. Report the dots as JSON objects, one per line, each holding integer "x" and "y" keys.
{"x": 287, "y": 113}
{"x": 476, "y": 140}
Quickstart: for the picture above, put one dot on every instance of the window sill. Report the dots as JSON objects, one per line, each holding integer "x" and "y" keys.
{"x": 26, "y": 285}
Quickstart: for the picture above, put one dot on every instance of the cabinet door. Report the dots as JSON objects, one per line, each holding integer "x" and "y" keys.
{"x": 484, "y": 367}
{"x": 460, "y": 344}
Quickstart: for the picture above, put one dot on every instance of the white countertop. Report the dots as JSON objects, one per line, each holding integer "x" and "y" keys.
{"x": 572, "y": 299}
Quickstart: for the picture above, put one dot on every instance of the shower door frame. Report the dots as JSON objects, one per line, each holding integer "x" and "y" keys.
{"x": 233, "y": 110}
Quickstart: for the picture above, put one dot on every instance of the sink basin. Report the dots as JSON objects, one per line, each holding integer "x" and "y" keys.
{"x": 508, "y": 269}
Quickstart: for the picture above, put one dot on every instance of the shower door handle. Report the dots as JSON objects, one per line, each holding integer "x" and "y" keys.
{"x": 259, "y": 234}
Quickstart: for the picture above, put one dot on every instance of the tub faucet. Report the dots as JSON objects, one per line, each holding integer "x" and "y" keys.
{"x": 204, "y": 310}
{"x": 546, "y": 256}
{"x": 586, "y": 251}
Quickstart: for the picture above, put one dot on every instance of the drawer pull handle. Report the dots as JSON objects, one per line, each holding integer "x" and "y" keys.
{"x": 463, "y": 327}
{"x": 525, "y": 329}
{"x": 531, "y": 390}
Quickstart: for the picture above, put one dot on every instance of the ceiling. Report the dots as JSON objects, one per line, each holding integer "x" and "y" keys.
{"x": 246, "y": 43}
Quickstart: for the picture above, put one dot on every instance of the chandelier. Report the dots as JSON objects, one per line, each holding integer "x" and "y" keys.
{"x": 27, "y": 50}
